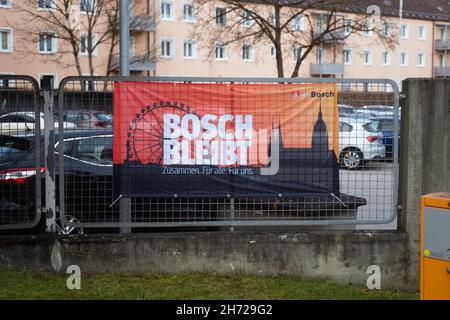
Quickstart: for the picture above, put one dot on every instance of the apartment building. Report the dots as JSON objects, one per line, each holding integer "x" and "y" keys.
{"x": 165, "y": 40}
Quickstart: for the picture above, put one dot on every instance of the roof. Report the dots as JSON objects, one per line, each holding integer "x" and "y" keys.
{"x": 434, "y": 10}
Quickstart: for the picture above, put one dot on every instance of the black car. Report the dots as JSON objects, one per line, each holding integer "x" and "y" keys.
{"x": 87, "y": 171}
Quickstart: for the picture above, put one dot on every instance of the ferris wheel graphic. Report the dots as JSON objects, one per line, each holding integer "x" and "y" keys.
{"x": 145, "y": 137}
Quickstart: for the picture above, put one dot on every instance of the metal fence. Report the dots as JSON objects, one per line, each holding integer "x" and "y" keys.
{"x": 368, "y": 159}
{"x": 20, "y": 156}
{"x": 368, "y": 156}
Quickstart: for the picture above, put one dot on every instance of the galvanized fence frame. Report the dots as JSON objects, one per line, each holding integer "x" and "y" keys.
{"x": 328, "y": 222}
{"x": 37, "y": 152}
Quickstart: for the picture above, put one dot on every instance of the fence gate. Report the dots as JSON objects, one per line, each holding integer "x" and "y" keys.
{"x": 20, "y": 152}
{"x": 366, "y": 177}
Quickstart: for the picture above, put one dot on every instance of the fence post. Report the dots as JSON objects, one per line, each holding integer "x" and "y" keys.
{"x": 125, "y": 203}
{"x": 49, "y": 143}
{"x": 424, "y": 155}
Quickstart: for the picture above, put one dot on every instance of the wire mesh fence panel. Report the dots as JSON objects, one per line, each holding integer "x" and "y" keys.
{"x": 337, "y": 151}
{"x": 20, "y": 142}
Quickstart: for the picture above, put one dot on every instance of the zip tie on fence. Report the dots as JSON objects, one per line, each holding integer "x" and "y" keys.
{"x": 114, "y": 202}
{"x": 339, "y": 200}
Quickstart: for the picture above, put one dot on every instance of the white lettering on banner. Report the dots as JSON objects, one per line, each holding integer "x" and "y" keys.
{"x": 189, "y": 140}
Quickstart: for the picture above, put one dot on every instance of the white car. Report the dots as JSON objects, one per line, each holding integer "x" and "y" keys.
{"x": 359, "y": 141}
{"x": 376, "y": 111}
{"x": 25, "y": 121}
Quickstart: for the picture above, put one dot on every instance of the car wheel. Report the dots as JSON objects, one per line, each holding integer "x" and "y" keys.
{"x": 351, "y": 159}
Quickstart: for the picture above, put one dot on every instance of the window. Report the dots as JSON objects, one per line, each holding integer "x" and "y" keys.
{"x": 247, "y": 19}
{"x": 385, "y": 87}
{"x": 368, "y": 28}
{"x": 421, "y": 60}
{"x": 299, "y": 23}
{"x": 347, "y": 56}
{"x": 14, "y": 148}
{"x": 404, "y": 31}
{"x": 221, "y": 16}
{"x": 319, "y": 56}
{"x": 7, "y": 83}
{"x": 188, "y": 12}
{"x": 347, "y": 26}
{"x": 53, "y": 76}
{"x": 345, "y": 127}
{"x": 167, "y": 48}
{"x": 98, "y": 150}
{"x": 404, "y": 59}
{"x": 441, "y": 61}
{"x": 387, "y": 29}
{"x": 5, "y": 3}
{"x": 386, "y": 58}
{"x": 273, "y": 52}
{"x": 367, "y": 57}
{"x": 421, "y": 34}
{"x": 273, "y": 19}
{"x": 220, "y": 51}
{"x": 247, "y": 52}
{"x": 320, "y": 24}
{"x": 46, "y": 4}
{"x": 189, "y": 49}
{"x": 6, "y": 40}
{"x": 297, "y": 53}
{"x": 88, "y": 85}
{"x": 442, "y": 34}
{"x": 167, "y": 10}
{"x": 88, "y": 44}
{"x": 47, "y": 42}
{"x": 87, "y": 6}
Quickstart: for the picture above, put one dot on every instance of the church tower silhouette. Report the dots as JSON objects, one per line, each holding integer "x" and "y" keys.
{"x": 319, "y": 144}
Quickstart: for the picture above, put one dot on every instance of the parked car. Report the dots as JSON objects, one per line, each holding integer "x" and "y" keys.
{"x": 88, "y": 119}
{"x": 87, "y": 170}
{"x": 360, "y": 140}
{"x": 386, "y": 126}
{"x": 346, "y": 110}
{"x": 377, "y": 110}
{"x": 25, "y": 121}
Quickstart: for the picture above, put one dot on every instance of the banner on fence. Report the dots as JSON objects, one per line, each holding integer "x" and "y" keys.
{"x": 219, "y": 140}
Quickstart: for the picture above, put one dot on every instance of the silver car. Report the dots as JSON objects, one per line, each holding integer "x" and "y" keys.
{"x": 359, "y": 141}
{"x": 25, "y": 121}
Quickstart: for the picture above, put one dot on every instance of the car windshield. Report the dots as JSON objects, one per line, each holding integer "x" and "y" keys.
{"x": 372, "y": 126}
{"x": 13, "y": 148}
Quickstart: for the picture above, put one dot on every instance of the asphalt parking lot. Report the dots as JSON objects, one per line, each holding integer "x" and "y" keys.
{"x": 374, "y": 183}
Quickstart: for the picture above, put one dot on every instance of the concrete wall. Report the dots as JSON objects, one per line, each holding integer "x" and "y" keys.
{"x": 425, "y": 154}
{"x": 340, "y": 256}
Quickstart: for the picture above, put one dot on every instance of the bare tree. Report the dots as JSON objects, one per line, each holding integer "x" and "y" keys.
{"x": 286, "y": 24}
{"x": 82, "y": 26}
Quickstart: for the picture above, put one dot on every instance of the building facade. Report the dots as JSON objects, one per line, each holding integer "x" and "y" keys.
{"x": 166, "y": 40}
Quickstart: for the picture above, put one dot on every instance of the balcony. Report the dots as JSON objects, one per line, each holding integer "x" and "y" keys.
{"x": 139, "y": 23}
{"x": 137, "y": 63}
{"x": 327, "y": 69}
{"x": 441, "y": 72}
{"x": 333, "y": 37}
{"x": 442, "y": 44}
{"x": 142, "y": 23}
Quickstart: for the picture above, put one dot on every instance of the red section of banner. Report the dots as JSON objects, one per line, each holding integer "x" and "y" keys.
{"x": 229, "y": 124}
